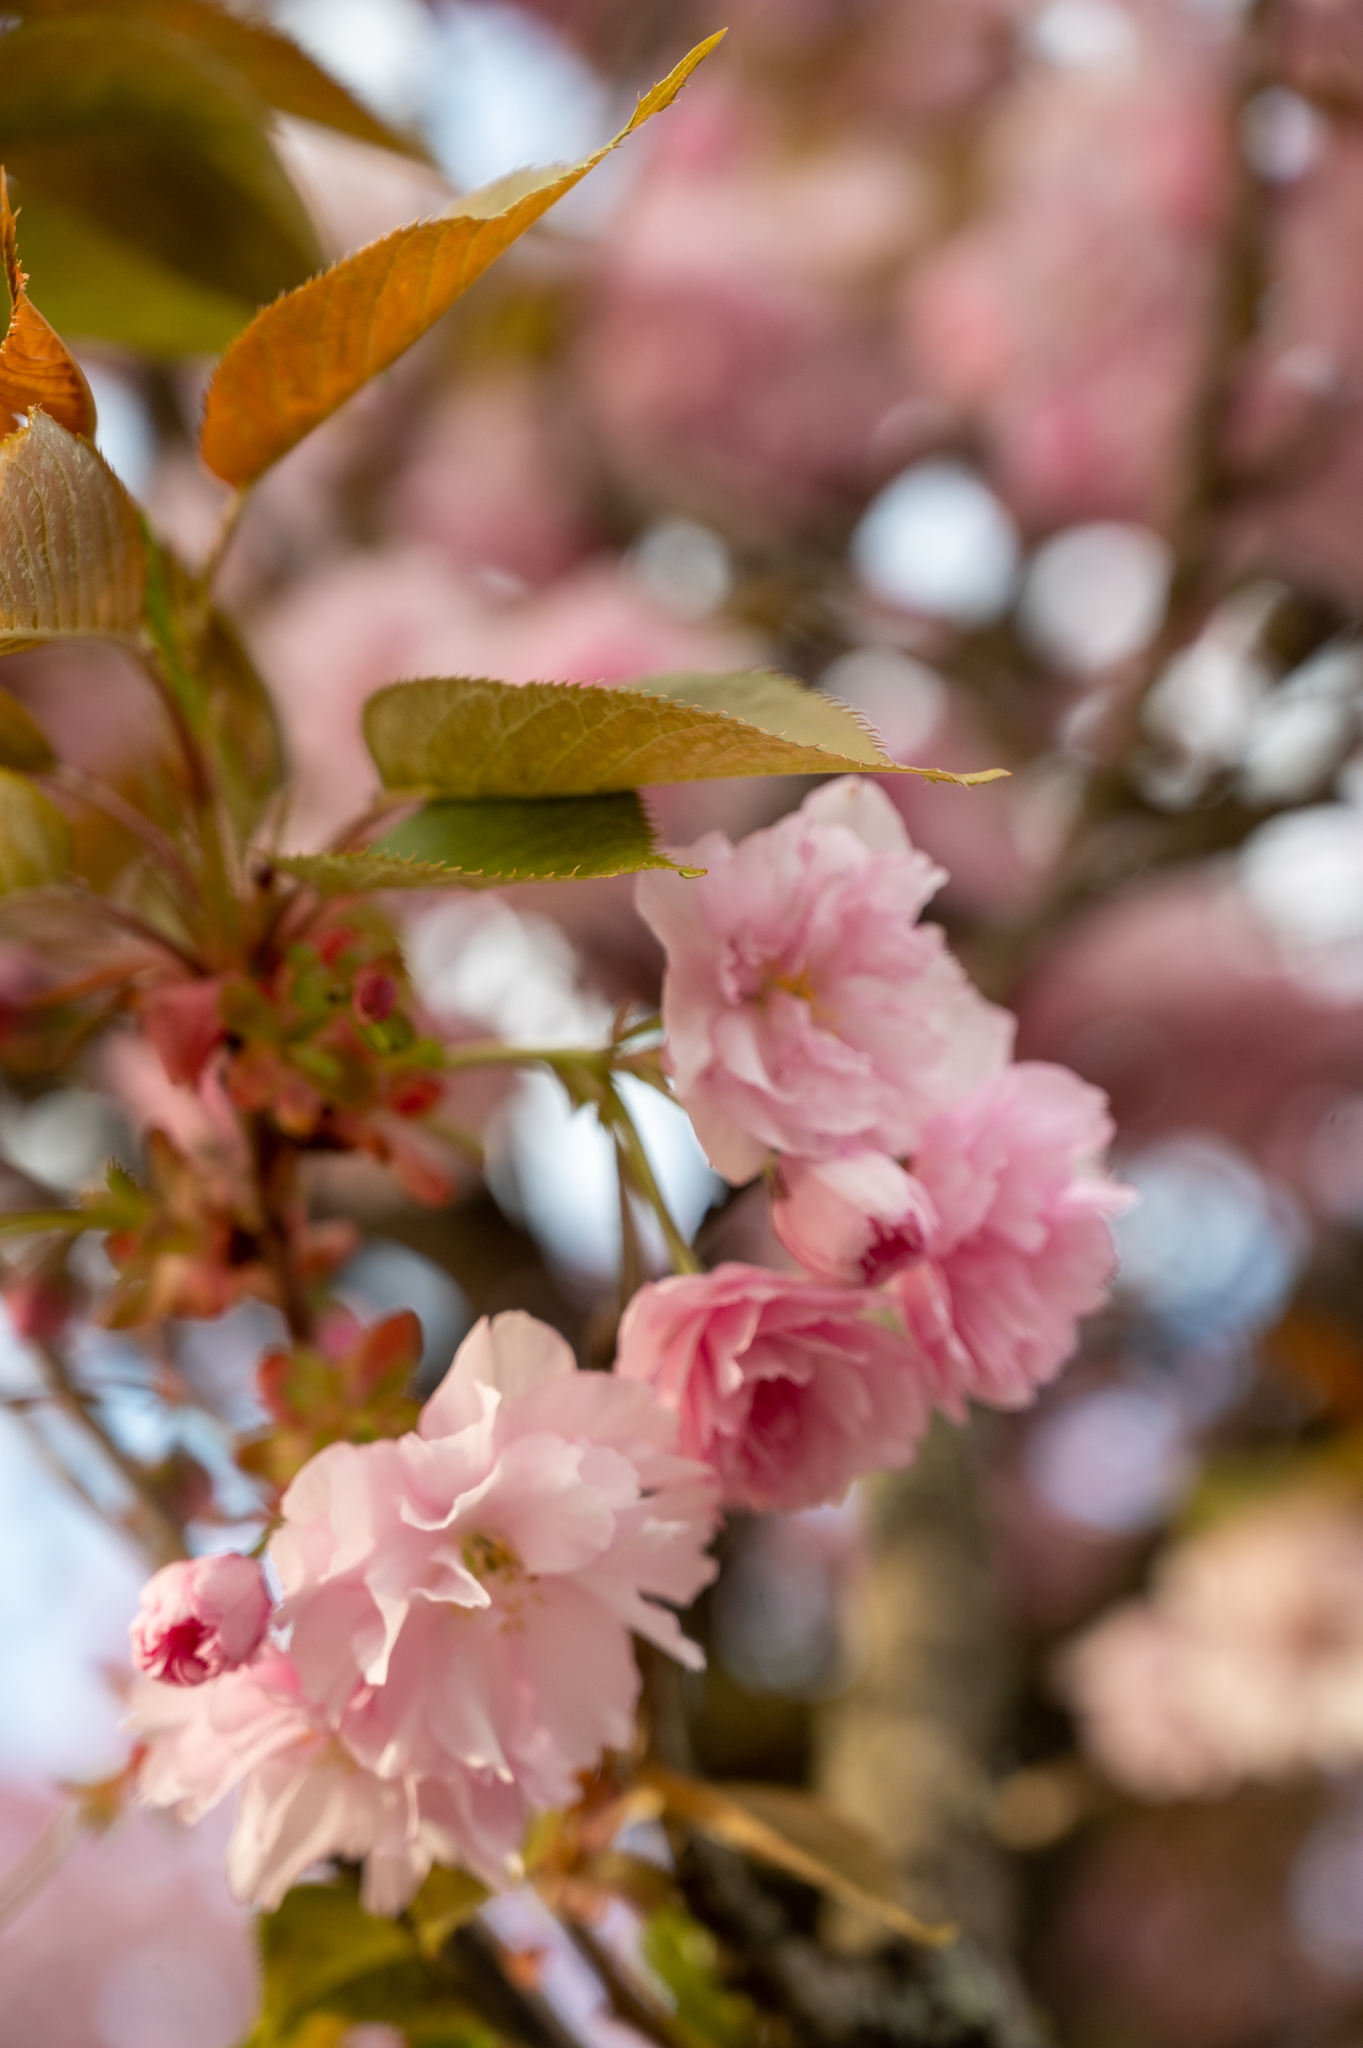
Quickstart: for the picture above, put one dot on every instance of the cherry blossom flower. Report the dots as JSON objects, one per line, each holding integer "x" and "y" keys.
{"x": 788, "y": 1389}
{"x": 1246, "y": 1662}
{"x": 303, "y": 1796}
{"x": 1022, "y": 1245}
{"x": 460, "y": 1602}
{"x": 806, "y": 1009}
{"x": 482, "y": 1575}
{"x": 200, "y": 1617}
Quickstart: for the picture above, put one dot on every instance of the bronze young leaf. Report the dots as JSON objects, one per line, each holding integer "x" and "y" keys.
{"x": 305, "y": 355}
{"x": 36, "y": 367}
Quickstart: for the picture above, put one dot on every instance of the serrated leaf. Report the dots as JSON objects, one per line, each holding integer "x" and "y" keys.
{"x": 471, "y": 737}
{"x": 35, "y": 838}
{"x": 158, "y": 140}
{"x": 488, "y": 844}
{"x": 552, "y": 839}
{"x": 95, "y": 283}
{"x": 71, "y": 560}
{"x": 282, "y": 73}
{"x": 304, "y": 356}
{"x": 36, "y": 368}
{"x": 800, "y": 1834}
{"x": 23, "y": 743}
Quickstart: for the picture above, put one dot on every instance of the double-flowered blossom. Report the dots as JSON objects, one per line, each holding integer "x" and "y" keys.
{"x": 992, "y": 1246}
{"x": 1022, "y": 1246}
{"x": 936, "y": 1188}
{"x": 807, "y": 1010}
{"x": 789, "y": 1389}
{"x": 460, "y": 1602}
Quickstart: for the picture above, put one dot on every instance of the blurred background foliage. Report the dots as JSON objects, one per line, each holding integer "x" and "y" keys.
{"x": 994, "y": 365}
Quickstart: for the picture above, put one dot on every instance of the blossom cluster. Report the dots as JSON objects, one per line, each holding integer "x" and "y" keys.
{"x": 450, "y": 1645}
{"x": 944, "y": 1199}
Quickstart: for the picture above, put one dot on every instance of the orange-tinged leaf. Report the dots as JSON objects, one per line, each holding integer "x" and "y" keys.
{"x": 71, "y": 556}
{"x": 314, "y": 348}
{"x": 36, "y": 368}
{"x": 798, "y": 1833}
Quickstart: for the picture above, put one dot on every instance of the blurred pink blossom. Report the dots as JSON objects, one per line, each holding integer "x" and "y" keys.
{"x": 806, "y": 1009}
{"x": 200, "y": 1617}
{"x": 1068, "y": 320}
{"x": 789, "y": 1389}
{"x": 134, "y": 1942}
{"x": 736, "y": 350}
{"x": 1245, "y": 1662}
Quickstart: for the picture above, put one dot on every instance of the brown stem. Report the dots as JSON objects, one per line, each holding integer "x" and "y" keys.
{"x": 129, "y": 921}
{"x": 276, "y": 1171}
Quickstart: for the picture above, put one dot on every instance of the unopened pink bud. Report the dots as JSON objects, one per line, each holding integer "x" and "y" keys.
{"x": 855, "y": 1220}
{"x": 200, "y": 1618}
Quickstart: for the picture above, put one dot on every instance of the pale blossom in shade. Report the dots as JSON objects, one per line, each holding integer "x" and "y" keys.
{"x": 465, "y": 1595}
{"x": 854, "y": 1220}
{"x": 303, "y": 1795}
{"x": 200, "y": 1617}
{"x": 807, "y": 1010}
{"x": 1245, "y": 1661}
{"x": 1022, "y": 1244}
{"x": 788, "y": 1389}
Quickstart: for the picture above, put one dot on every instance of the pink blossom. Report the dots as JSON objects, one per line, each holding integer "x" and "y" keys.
{"x": 303, "y": 1795}
{"x": 470, "y": 1590}
{"x": 787, "y": 1388}
{"x": 461, "y": 1602}
{"x": 807, "y": 1010}
{"x": 1022, "y": 1246}
{"x": 200, "y": 1617}
{"x": 853, "y": 1220}
{"x": 1245, "y": 1662}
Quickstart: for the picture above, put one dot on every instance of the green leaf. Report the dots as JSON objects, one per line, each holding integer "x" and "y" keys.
{"x": 549, "y": 840}
{"x": 324, "y": 1959}
{"x": 281, "y": 73}
{"x": 488, "y": 844}
{"x": 685, "y": 1955}
{"x": 35, "y": 839}
{"x": 23, "y": 743}
{"x": 319, "y": 1941}
{"x": 160, "y": 142}
{"x": 93, "y": 282}
{"x": 304, "y": 356}
{"x": 470, "y": 737}
{"x": 71, "y": 561}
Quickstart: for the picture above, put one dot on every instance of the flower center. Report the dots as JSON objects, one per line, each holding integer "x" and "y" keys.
{"x": 488, "y": 1557}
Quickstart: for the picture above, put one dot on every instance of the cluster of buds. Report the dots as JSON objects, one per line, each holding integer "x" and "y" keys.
{"x": 325, "y": 1045}
{"x": 192, "y": 1242}
{"x": 353, "y": 1384}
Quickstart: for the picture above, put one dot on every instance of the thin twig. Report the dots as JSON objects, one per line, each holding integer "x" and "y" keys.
{"x": 158, "y": 1533}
